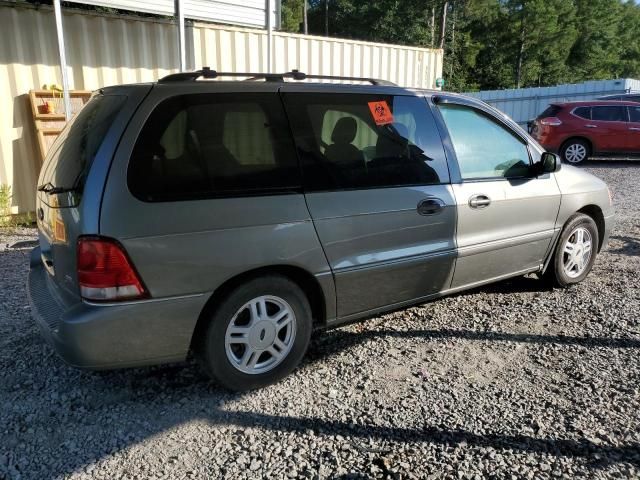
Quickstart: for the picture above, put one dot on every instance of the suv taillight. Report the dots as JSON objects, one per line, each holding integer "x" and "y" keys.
{"x": 551, "y": 121}
{"x": 105, "y": 272}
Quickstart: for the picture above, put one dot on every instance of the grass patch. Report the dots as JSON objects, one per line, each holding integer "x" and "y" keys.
{"x": 5, "y": 205}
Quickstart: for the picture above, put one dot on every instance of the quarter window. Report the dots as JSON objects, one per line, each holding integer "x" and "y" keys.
{"x": 484, "y": 148}
{"x": 204, "y": 145}
{"x": 365, "y": 141}
{"x": 634, "y": 114}
{"x": 608, "y": 114}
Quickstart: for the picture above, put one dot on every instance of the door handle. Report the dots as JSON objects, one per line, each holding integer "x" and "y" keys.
{"x": 591, "y": 126}
{"x": 479, "y": 201}
{"x": 635, "y": 129}
{"x": 430, "y": 206}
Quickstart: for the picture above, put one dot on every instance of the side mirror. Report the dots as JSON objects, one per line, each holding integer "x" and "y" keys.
{"x": 549, "y": 163}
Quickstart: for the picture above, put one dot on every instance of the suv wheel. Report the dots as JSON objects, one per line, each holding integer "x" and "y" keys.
{"x": 575, "y": 151}
{"x": 575, "y": 252}
{"x": 258, "y": 334}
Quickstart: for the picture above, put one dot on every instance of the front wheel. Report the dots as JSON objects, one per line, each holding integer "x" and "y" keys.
{"x": 575, "y": 252}
{"x": 258, "y": 334}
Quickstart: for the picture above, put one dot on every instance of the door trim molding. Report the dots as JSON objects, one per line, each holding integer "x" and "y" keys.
{"x": 504, "y": 243}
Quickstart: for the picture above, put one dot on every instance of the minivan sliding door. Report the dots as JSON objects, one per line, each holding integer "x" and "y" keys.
{"x": 376, "y": 184}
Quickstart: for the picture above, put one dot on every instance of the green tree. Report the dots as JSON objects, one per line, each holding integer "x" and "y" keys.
{"x": 493, "y": 44}
{"x": 291, "y": 15}
{"x": 595, "y": 53}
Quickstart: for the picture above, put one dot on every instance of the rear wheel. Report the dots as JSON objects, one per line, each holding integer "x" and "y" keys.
{"x": 575, "y": 252}
{"x": 575, "y": 151}
{"x": 258, "y": 334}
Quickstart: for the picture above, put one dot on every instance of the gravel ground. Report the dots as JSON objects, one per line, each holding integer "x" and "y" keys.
{"x": 512, "y": 380}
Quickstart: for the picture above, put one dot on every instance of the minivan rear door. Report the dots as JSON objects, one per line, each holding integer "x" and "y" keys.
{"x": 377, "y": 187}
{"x": 72, "y": 178}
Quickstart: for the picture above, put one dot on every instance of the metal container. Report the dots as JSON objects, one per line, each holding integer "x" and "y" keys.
{"x": 107, "y": 49}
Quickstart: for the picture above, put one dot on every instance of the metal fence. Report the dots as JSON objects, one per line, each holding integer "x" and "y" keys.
{"x": 524, "y": 104}
{"x": 106, "y": 50}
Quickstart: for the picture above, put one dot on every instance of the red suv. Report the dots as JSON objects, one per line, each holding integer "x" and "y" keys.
{"x": 578, "y": 130}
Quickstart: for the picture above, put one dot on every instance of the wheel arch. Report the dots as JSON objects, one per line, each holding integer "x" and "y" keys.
{"x": 301, "y": 277}
{"x": 595, "y": 212}
{"x": 579, "y": 137}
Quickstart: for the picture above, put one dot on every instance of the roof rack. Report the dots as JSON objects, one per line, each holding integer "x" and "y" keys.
{"x": 206, "y": 72}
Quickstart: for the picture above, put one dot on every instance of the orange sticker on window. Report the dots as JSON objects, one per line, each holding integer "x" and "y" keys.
{"x": 381, "y": 112}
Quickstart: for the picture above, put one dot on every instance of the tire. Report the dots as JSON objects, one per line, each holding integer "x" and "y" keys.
{"x": 575, "y": 151}
{"x": 565, "y": 270}
{"x": 239, "y": 334}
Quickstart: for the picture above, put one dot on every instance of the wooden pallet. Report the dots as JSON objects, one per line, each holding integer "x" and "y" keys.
{"x": 49, "y": 125}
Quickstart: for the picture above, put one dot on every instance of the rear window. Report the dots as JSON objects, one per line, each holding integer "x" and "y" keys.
{"x": 551, "y": 111}
{"x": 583, "y": 112}
{"x": 73, "y": 152}
{"x": 608, "y": 114}
{"x": 210, "y": 145}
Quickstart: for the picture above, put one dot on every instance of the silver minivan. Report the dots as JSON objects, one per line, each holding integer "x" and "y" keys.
{"x": 232, "y": 218}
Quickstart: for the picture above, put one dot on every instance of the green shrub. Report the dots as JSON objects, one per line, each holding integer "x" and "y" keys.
{"x": 5, "y": 204}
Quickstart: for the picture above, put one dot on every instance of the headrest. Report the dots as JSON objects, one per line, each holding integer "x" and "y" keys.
{"x": 344, "y": 131}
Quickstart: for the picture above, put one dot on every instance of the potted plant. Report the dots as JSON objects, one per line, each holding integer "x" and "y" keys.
{"x": 53, "y": 105}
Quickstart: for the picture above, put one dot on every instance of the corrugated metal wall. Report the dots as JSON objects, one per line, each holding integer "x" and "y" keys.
{"x": 407, "y": 66}
{"x": 250, "y": 13}
{"x": 523, "y": 104}
{"x": 106, "y": 50}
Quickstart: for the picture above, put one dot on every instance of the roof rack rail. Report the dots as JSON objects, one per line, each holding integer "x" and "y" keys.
{"x": 206, "y": 72}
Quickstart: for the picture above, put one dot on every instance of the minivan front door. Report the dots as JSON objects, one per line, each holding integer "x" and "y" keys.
{"x": 377, "y": 187}
{"x": 506, "y": 216}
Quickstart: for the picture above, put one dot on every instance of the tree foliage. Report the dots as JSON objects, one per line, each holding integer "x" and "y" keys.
{"x": 491, "y": 44}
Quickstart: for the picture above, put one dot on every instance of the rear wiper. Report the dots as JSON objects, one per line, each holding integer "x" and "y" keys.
{"x": 50, "y": 189}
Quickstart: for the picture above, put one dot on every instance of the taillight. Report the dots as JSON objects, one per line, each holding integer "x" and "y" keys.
{"x": 105, "y": 272}
{"x": 551, "y": 121}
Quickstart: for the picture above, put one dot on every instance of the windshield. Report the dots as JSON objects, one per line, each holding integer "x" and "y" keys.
{"x": 70, "y": 157}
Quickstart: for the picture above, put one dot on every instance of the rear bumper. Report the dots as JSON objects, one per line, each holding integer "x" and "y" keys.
{"x": 116, "y": 335}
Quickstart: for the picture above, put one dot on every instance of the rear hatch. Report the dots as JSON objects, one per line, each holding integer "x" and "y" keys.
{"x": 536, "y": 126}
{"x": 72, "y": 179}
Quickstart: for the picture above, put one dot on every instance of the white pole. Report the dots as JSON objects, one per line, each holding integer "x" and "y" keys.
{"x": 269, "y": 34}
{"x": 63, "y": 59}
{"x": 181, "y": 39}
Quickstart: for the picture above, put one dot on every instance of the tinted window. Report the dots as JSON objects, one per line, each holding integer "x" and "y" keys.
{"x": 608, "y": 114}
{"x": 551, "y": 111}
{"x": 73, "y": 152}
{"x": 203, "y": 145}
{"x": 583, "y": 112}
{"x": 634, "y": 114}
{"x": 484, "y": 148}
{"x": 365, "y": 141}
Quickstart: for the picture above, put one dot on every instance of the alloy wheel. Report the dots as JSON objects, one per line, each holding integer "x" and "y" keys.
{"x": 575, "y": 153}
{"x": 260, "y": 335}
{"x": 576, "y": 252}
